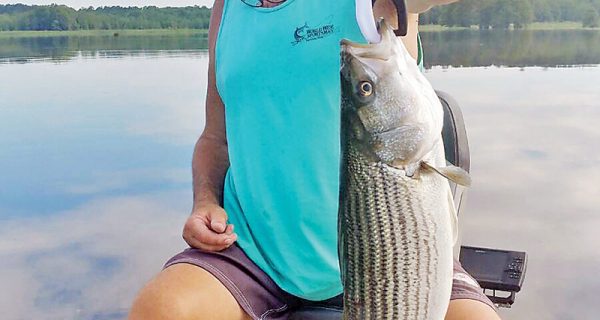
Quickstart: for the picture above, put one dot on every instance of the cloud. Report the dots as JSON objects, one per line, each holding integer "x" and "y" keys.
{"x": 161, "y": 97}
{"x": 101, "y": 182}
{"x": 88, "y": 262}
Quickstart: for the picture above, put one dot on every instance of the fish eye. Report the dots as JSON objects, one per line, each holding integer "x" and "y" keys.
{"x": 365, "y": 88}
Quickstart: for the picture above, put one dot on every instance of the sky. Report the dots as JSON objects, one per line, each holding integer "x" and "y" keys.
{"x": 98, "y": 3}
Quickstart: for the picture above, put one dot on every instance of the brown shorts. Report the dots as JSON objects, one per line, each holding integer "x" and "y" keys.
{"x": 261, "y": 298}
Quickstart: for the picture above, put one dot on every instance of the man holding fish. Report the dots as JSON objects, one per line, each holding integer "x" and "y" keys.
{"x": 268, "y": 163}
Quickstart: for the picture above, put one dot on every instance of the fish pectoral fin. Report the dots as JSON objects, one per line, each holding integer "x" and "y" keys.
{"x": 455, "y": 174}
{"x": 412, "y": 170}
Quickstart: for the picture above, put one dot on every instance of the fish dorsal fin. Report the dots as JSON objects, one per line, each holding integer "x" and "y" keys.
{"x": 455, "y": 174}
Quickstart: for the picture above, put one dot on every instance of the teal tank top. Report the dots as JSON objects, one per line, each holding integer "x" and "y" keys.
{"x": 277, "y": 72}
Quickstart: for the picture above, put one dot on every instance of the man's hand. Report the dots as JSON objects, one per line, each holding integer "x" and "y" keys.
{"x": 207, "y": 229}
{"x": 420, "y": 6}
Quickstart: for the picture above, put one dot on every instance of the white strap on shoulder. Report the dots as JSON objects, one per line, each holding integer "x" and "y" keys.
{"x": 366, "y": 22}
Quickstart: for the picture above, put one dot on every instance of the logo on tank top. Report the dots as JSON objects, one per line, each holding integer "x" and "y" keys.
{"x": 306, "y": 32}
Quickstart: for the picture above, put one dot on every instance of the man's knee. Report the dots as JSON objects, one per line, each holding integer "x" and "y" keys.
{"x": 161, "y": 299}
{"x": 467, "y": 309}
{"x": 185, "y": 292}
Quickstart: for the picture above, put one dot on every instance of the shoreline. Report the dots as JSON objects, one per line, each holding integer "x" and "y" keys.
{"x": 194, "y": 32}
{"x": 95, "y": 33}
{"x": 535, "y": 26}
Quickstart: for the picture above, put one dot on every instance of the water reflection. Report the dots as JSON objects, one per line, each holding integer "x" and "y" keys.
{"x": 535, "y": 165}
{"x": 466, "y": 48}
{"x": 87, "y": 262}
{"x": 472, "y": 48}
{"x": 96, "y": 127}
{"x": 65, "y": 48}
{"x": 94, "y": 166}
{"x": 95, "y": 158}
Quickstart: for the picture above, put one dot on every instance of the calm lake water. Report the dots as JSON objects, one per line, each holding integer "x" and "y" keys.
{"x": 96, "y": 136}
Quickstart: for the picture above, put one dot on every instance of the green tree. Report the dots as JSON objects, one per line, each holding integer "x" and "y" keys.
{"x": 506, "y": 13}
{"x": 524, "y": 13}
{"x": 485, "y": 13}
{"x": 462, "y": 14}
{"x": 6, "y": 22}
{"x": 591, "y": 19}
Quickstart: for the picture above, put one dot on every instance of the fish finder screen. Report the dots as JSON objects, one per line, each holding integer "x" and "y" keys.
{"x": 485, "y": 265}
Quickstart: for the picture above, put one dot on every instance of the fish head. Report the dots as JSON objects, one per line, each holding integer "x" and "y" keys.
{"x": 389, "y": 110}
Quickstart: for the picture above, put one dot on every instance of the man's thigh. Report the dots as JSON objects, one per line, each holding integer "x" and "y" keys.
{"x": 467, "y": 309}
{"x": 183, "y": 291}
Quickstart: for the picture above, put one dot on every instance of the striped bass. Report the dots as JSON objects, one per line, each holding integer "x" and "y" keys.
{"x": 397, "y": 219}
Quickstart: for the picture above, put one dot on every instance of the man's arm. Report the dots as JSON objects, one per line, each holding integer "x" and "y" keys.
{"x": 207, "y": 228}
{"x": 420, "y": 6}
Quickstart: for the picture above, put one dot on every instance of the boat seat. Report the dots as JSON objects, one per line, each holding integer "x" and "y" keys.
{"x": 316, "y": 313}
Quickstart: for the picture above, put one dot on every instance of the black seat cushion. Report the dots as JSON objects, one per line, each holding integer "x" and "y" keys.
{"x": 317, "y": 313}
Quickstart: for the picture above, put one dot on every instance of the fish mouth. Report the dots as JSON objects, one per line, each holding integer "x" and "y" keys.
{"x": 361, "y": 51}
{"x": 347, "y": 43}
{"x": 378, "y": 51}
{"x": 382, "y": 28}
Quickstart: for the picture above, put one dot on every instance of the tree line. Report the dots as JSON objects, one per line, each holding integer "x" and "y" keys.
{"x": 486, "y": 14}
{"x": 502, "y": 14}
{"x": 61, "y": 17}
